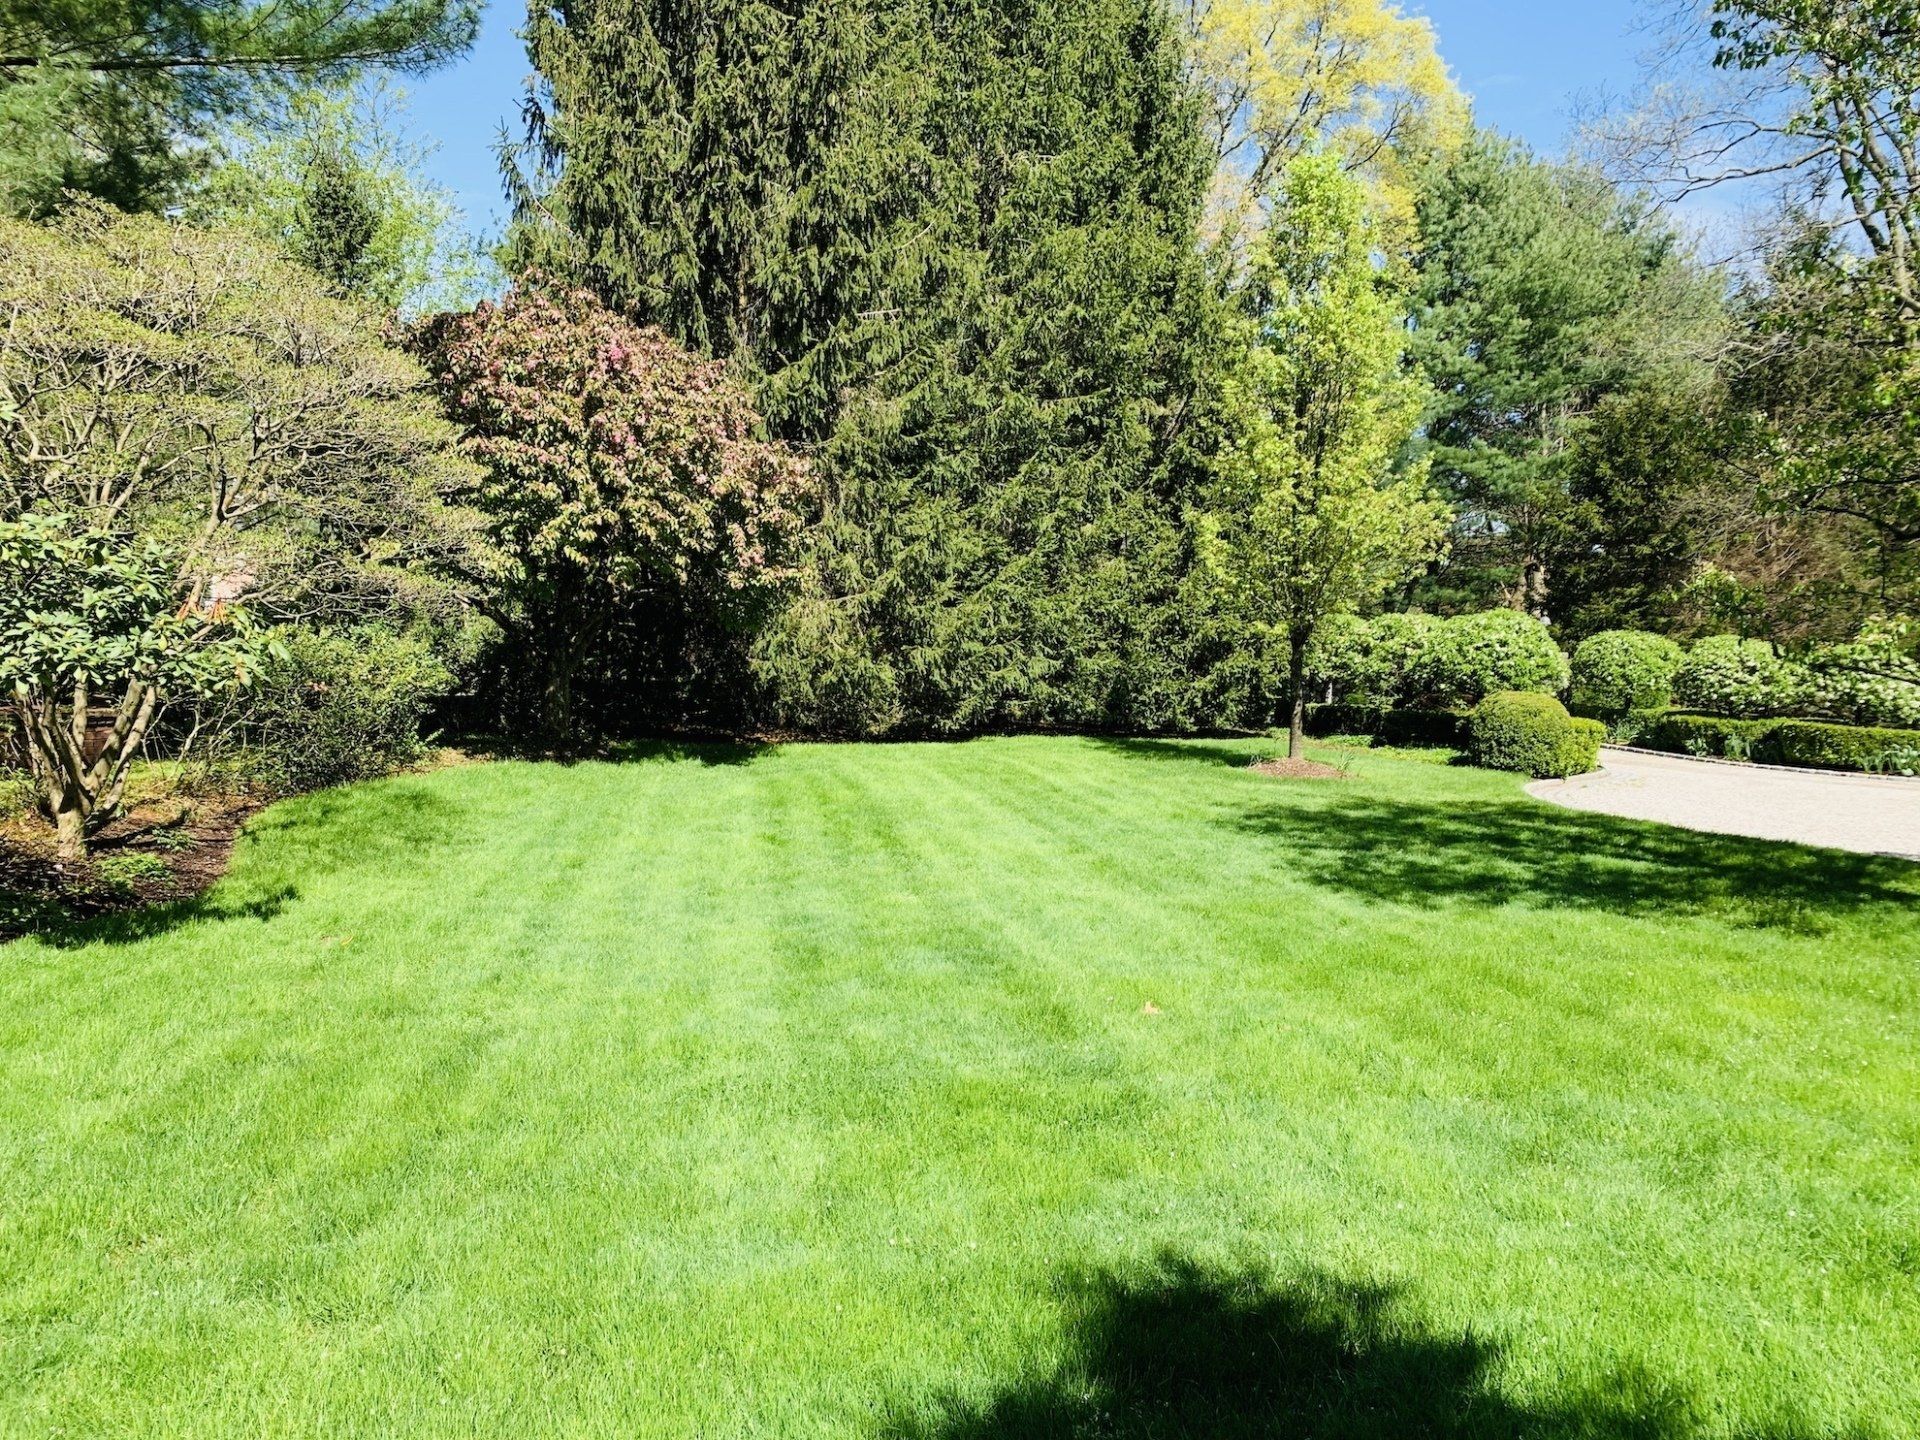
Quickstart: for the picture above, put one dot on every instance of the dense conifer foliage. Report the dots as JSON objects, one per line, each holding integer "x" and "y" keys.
{"x": 954, "y": 246}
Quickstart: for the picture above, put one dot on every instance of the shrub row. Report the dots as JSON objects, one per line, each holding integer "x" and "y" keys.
{"x": 1718, "y": 737}
{"x": 1817, "y": 746}
{"x": 1534, "y": 735}
{"x": 1873, "y": 749}
{"x": 1420, "y": 662}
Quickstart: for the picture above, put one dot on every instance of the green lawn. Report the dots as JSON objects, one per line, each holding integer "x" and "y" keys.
{"x": 1023, "y": 1088}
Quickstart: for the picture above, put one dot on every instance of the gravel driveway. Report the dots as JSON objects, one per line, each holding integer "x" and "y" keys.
{"x": 1873, "y": 814}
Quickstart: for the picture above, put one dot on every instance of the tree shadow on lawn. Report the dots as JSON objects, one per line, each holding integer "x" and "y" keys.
{"x": 1189, "y": 1352}
{"x": 1194, "y": 752}
{"x": 703, "y": 752}
{"x": 1493, "y": 854}
{"x": 721, "y": 750}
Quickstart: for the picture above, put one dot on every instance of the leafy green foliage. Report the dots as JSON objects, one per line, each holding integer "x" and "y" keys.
{"x": 1618, "y": 671}
{"x": 1743, "y": 679}
{"x": 1542, "y": 293}
{"x": 84, "y": 612}
{"x": 193, "y": 387}
{"x": 1534, "y": 735}
{"x": 621, "y": 475}
{"x": 1874, "y": 679}
{"x": 333, "y": 183}
{"x": 1361, "y": 81}
{"x": 1311, "y": 517}
{"x": 951, "y": 246}
{"x": 1709, "y": 736}
{"x": 106, "y": 97}
{"x": 1812, "y": 744}
{"x": 125, "y": 874}
{"x": 1842, "y": 747}
{"x": 82, "y": 604}
{"x": 335, "y": 707}
{"x": 190, "y": 390}
{"x": 1490, "y": 652}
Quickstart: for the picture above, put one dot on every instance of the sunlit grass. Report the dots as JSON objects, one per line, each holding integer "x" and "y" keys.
{"x": 1020, "y": 1088}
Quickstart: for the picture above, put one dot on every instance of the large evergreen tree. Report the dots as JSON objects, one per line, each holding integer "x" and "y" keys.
{"x": 952, "y": 243}
{"x": 1544, "y": 293}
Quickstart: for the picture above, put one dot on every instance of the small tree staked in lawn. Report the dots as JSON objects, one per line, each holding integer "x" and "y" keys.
{"x": 1312, "y": 516}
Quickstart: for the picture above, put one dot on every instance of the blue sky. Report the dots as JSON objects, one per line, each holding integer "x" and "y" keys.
{"x": 1524, "y": 62}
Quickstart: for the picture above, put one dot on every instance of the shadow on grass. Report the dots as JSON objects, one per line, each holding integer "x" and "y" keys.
{"x": 720, "y": 750}
{"x": 1491, "y": 854}
{"x": 703, "y": 752}
{"x": 1187, "y": 1352}
{"x": 1193, "y": 752}
{"x": 61, "y": 927}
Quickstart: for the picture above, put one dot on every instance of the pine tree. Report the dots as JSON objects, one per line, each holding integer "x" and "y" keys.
{"x": 97, "y": 96}
{"x": 952, "y": 243}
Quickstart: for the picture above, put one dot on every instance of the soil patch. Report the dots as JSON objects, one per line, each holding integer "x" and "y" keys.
{"x": 159, "y": 852}
{"x": 1299, "y": 770}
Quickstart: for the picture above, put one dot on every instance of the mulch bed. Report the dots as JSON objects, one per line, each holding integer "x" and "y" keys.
{"x": 191, "y": 841}
{"x": 1299, "y": 770}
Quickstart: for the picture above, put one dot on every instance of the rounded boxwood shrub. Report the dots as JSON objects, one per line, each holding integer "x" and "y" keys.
{"x": 1619, "y": 671}
{"x": 1494, "y": 652}
{"x": 1534, "y": 735}
{"x": 1745, "y": 679}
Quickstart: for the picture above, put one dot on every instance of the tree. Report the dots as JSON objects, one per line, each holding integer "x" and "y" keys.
{"x": 189, "y": 390}
{"x": 1313, "y": 517}
{"x": 1820, "y": 101}
{"x": 748, "y": 175}
{"x": 622, "y": 476}
{"x": 1542, "y": 292}
{"x": 86, "y": 613}
{"x": 335, "y": 184}
{"x": 951, "y": 245}
{"x": 1817, "y": 96}
{"x": 1359, "y": 79}
{"x": 97, "y": 96}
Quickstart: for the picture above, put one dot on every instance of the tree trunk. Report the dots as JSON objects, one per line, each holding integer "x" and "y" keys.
{"x": 1533, "y": 592}
{"x": 1297, "y": 695}
{"x": 70, "y": 830}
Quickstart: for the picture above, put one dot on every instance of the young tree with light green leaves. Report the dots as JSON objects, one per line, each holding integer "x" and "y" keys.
{"x": 334, "y": 183}
{"x": 1314, "y": 516}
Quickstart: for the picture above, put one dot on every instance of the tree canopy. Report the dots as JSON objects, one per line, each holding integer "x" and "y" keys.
{"x": 98, "y": 96}
{"x": 1542, "y": 293}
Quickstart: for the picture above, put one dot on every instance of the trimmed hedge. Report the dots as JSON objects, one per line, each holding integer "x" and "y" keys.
{"x": 1813, "y": 744}
{"x": 1715, "y": 736}
{"x": 1843, "y": 747}
{"x": 1534, "y": 735}
{"x": 1580, "y": 750}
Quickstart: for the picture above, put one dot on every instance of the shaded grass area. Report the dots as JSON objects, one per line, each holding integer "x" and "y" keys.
{"x": 1021, "y": 1088}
